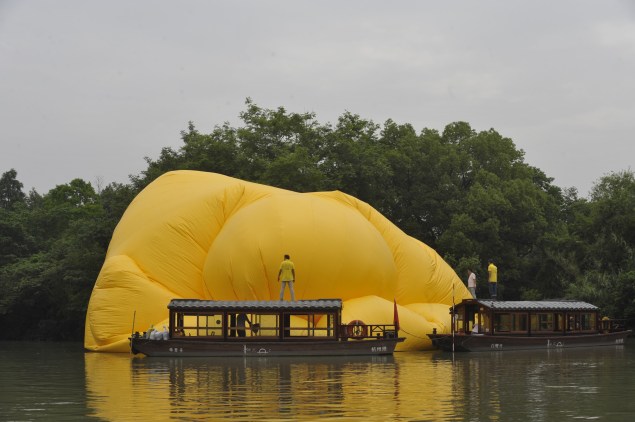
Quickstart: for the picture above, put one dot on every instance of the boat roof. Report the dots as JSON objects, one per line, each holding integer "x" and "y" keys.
{"x": 536, "y": 305}
{"x": 318, "y": 305}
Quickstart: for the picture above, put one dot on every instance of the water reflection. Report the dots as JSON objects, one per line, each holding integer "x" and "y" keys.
{"x": 41, "y": 381}
{"x": 373, "y": 388}
{"x": 544, "y": 385}
{"x": 239, "y": 388}
{"x": 57, "y": 381}
{"x": 499, "y": 386}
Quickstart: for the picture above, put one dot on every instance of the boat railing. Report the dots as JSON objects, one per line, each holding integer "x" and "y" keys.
{"x": 613, "y": 325}
{"x": 358, "y": 330}
{"x": 257, "y": 330}
{"x": 254, "y": 331}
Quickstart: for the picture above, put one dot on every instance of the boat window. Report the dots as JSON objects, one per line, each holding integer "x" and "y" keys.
{"x": 310, "y": 325}
{"x": 468, "y": 317}
{"x": 244, "y": 324}
{"x": 249, "y": 324}
{"x": 542, "y": 322}
{"x": 573, "y": 322}
{"x": 264, "y": 325}
{"x": 458, "y": 321}
{"x": 199, "y": 325}
{"x": 588, "y": 321}
{"x": 519, "y": 322}
{"x": 507, "y": 322}
{"x": 502, "y": 322}
{"x": 484, "y": 322}
{"x": 559, "y": 322}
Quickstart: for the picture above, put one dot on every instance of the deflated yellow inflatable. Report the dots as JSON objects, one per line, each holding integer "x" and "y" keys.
{"x": 202, "y": 235}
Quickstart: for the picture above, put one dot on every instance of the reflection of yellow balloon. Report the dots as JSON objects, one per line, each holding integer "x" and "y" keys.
{"x": 407, "y": 386}
{"x": 203, "y": 235}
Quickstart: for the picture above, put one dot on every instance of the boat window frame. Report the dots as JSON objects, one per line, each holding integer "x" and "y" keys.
{"x": 179, "y": 329}
{"x": 311, "y": 328}
{"x": 545, "y": 322}
{"x": 217, "y": 324}
{"x": 520, "y": 316}
{"x": 498, "y": 324}
{"x": 220, "y": 323}
{"x": 576, "y": 322}
{"x": 592, "y": 322}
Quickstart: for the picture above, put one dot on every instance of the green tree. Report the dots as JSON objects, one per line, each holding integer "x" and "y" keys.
{"x": 613, "y": 221}
{"x": 353, "y": 159}
{"x": 604, "y": 229}
{"x": 11, "y": 190}
{"x": 217, "y": 152}
{"x": 500, "y": 209}
{"x": 168, "y": 160}
{"x": 46, "y": 291}
{"x": 15, "y": 241}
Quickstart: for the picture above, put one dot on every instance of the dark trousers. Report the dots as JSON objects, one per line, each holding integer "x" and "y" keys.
{"x": 492, "y": 290}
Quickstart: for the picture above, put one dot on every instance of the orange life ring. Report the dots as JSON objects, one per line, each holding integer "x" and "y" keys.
{"x": 357, "y": 329}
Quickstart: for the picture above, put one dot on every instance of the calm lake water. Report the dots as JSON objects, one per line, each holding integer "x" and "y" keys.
{"x": 58, "y": 381}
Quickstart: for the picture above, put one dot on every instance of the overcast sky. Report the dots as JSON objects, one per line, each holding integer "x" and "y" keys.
{"x": 88, "y": 89}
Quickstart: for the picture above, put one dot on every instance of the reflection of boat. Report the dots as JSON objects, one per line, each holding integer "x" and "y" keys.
{"x": 485, "y": 325}
{"x": 161, "y": 364}
{"x": 265, "y": 328}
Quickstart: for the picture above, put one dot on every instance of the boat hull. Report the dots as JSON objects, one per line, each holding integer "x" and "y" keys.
{"x": 487, "y": 343}
{"x": 176, "y": 347}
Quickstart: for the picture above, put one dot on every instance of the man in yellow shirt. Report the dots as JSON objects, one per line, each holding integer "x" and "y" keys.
{"x": 286, "y": 275}
{"x": 492, "y": 272}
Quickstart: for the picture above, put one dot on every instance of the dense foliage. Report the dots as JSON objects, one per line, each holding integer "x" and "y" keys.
{"x": 468, "y": 195}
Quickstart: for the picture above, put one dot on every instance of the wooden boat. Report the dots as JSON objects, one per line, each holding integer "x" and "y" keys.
{"x": 264, "y": 328}
{"x": 491, "y": 325}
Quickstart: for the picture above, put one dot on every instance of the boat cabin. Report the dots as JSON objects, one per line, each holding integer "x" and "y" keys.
{"x": 245, "y": 321}
{"x": 527, "y": 318}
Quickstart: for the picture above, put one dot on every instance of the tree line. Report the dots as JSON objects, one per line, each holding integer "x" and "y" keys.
{"x": 469, "y": 195}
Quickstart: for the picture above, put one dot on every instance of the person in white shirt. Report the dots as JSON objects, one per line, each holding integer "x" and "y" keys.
{"x": 471, "y": 282}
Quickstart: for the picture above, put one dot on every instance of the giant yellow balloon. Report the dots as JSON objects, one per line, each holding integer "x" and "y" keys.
{"x": 203, "y": 235}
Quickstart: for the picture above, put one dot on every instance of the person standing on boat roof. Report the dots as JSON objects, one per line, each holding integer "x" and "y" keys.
{"x": 471, "y": 282}
{"x": 286, "y": 275}
{"x": 492, "y": 278}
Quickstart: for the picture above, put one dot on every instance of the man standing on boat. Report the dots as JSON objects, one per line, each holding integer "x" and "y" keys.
{"x": 492, "y": 272}
{"x": 242, "y": 319}
{"x": 286, "y": 275}
{"x": 471, "y": 282}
